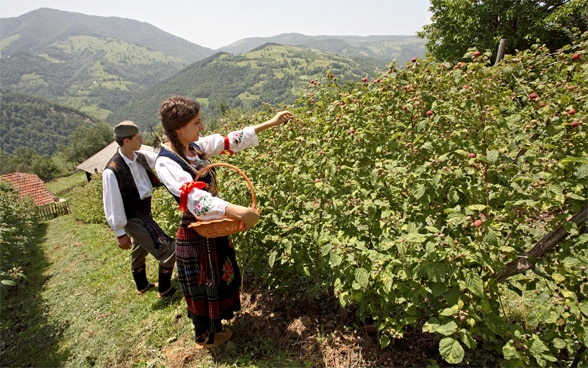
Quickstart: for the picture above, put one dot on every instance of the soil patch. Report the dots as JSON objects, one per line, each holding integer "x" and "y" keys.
{"x": 314, "y": 332}
{"x": 318, "y": 331}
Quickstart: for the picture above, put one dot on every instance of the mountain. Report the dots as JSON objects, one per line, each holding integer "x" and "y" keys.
{"x": 273, "y": 74}
{"x": 35, "y": 31}
{"x": 383, "y": 48}
{"x": 94, "y": 64}
{"x": 109, "y": 67}
{"x": 29, "y": 121}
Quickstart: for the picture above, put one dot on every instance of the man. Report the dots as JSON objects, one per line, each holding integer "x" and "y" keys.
{"x": 127, "y": 185}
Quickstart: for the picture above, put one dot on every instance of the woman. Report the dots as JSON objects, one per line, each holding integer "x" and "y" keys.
{"x": 207, "y": 269}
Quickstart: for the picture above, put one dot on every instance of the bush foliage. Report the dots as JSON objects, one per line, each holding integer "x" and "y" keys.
{"x": 409, "y": 193}
{"x": 17, "y": 227}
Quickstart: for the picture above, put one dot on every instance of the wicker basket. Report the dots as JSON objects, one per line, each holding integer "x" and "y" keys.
{"x": 225, "y": 226}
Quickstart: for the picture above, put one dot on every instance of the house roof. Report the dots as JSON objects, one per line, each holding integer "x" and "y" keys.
{"x": 30, "y": 185}
{"x": 96, "y": 163}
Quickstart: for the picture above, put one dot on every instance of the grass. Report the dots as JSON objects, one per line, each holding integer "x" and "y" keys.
{"x": 77, "y": 307}
{"x": 62, "y": 186}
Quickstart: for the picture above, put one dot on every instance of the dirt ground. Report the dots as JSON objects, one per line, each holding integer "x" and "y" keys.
{"x": 315, "y": 333}
{"x": 319, "y": 331}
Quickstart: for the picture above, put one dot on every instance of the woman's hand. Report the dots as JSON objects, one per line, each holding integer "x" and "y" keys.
{"x": 280, "y": 118}
{"x": 247, "y": 215}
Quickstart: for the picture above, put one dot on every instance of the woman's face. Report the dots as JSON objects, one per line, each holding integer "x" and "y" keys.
{"x": 191, "y": 131}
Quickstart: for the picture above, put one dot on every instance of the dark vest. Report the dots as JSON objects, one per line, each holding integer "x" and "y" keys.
{"x": 133, "y": 204}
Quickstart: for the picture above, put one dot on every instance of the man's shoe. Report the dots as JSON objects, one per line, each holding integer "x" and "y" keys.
{"x": 150, "y": 286}
{"x": 169, "y": 293}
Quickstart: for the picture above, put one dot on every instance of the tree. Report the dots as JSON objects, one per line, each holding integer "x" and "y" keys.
{"x": 27, "y": 160}
{"x": 459, "y": 25}
{"x": 45, "y": 168}
{"x": 87, "y": 140}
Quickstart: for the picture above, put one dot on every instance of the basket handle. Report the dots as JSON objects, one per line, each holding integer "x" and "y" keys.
{"x": 204, "y": 169}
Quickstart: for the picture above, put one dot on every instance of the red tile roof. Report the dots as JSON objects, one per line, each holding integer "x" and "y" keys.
{"x": 30, "y": 185}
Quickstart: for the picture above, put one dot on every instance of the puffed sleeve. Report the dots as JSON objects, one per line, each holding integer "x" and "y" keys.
{"x": 199, "y": 202}
{"x": 235, "y": 141}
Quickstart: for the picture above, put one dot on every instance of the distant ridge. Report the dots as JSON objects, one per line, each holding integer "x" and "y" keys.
{"x": 33, "y": 31}
{"x": 383, "y": 48}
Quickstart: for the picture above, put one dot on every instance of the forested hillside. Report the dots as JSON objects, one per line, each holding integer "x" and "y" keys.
{"x": 29, "y": 121}
{"x": 382, "y": 48}
{"x": 273, "y": 74}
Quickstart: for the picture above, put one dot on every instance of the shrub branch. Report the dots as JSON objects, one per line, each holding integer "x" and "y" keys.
{"x": 547, "y": 243}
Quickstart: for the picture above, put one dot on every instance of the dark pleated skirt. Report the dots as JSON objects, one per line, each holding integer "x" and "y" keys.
{"x": 208, "y": 275}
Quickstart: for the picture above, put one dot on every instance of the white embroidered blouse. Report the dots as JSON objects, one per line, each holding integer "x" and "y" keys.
{"x": 200, "y": 202}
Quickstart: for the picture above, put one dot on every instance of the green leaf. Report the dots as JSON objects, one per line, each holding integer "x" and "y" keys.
{"x": 567, "y": 160}
{"x": 491, "y": 237}
{"x": 576, "y": 196}
{"x": 584, "y": 307}
{"x": 466, "y": 338}
{"x": 492, "y": 156}
{"x": 477, "y": 207}
{"x": 362, "y": 277}
{"x": 420, "y": 191}
{"x": 509, "y": 351}
{"x": 427, "y": 146}
{"x": 453, "y": 196}
{"x": 448, "y": 312}
{"x": 384, "y": 341}
{"x": 494, "y": 323}
{"x": 272, "y": 258}
{"x": 447, "y": 329}
{"x": 451, "y": 350}
{"x": 559, "y": 343}
{"x": 585, "y": 335}
{"x": 415, "y": 238}
{"x": 539, "y": 349}
{"x": 432, "y": 229}
{"x": 438, "y": 288}
{"x": 456, "y": 218}
{"x": 474, "y": 284}
{"x": 8, "y": 282}
{"x": 335, "y": 259}
{"x": 431, "y": 326}
{"x": 582, "y": 172}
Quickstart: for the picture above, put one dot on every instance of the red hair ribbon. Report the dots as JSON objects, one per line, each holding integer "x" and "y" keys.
{"x": 185, "y": 189}
{"x": 227, "y": 145}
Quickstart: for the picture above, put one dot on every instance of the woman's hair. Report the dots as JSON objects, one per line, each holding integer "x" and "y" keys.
{"x": 174, "y": 113}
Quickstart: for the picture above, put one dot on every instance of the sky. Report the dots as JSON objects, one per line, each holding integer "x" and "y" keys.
{"x": 218, "y": 23}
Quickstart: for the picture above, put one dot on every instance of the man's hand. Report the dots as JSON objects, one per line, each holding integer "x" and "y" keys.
{"x": 124, "y": 242}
